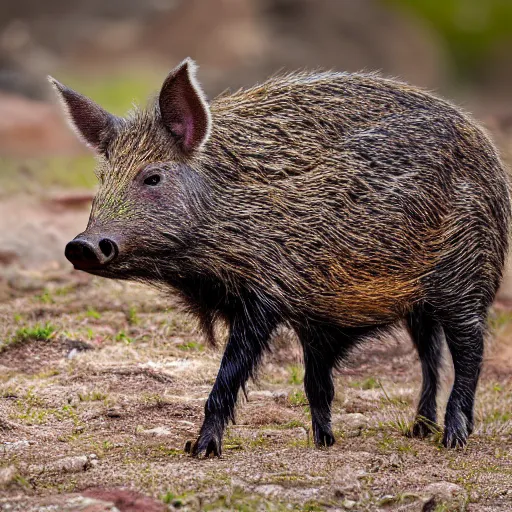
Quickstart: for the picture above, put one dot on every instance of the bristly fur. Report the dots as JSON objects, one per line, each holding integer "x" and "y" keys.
{"x": 336, "y": 203}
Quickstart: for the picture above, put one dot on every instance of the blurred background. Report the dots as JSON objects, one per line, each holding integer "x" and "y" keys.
{"x": 119, "y": 51}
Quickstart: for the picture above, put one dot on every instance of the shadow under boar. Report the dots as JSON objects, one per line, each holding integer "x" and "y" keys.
{"x": 335, "y": 203}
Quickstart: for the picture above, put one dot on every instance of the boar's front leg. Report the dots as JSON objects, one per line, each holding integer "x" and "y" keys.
{"x": 249, "y": 338}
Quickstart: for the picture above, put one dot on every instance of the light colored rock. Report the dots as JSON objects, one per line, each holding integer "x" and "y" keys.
{"x": 7, "y": 476}
{"x": 74, "y": 464}
{"x": 444, "y": 491}
{"x": 70, "y": 464}
{"x": 85, "y": 504}
{"x": 157, "y": 432}
{"x": 352, "y": 424}
{"x": 261, "y": 394}
{"x": 367, "y": 395}
{"x": 73, "y": 353}
{"x": 395, "y": 461}
{"x": 347, "y": 479}
{"x": 270, "y": 490}
{"x": 15, "y": 445}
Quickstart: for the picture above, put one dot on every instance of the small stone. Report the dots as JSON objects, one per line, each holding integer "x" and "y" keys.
{"x": 352, "y": 423}
{"x": 269, "y": 490}
{"x": 72, "y": 353}
{"x": 157, "y": 432}
{"x": 444, "y": 491}
{"x": 260, "y": 394}
{"x": 7, "y": 476}
{"x": 74, "y": 464}
{"x": 347, "y": 480}
{"x": 394, "y": 460}
{"x": 280, "y": 396}
{"x": 15, "y": 445}
{"x": 348, "y": 504}
{"x": 114, "y": 412}
{"x": 70, "y": 464}
{"x": 187, "y": 423}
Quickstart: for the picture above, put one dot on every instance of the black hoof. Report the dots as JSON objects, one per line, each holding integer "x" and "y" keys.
{"x": 205, "y": 446}
{"x": 456, "y": 431}
{"x": 424, "y": 427}
{"x": 323, "y": 438}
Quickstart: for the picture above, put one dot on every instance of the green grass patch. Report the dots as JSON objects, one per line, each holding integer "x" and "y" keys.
{"x": 92, "y": 313}
{"x": 296, "y": 374}
{"x": 132, "y": 317}
{"x": 174, "y": 499}
{"x": 498, "y": 320}
{"x": 191, "y": 346}
{"x": 92, "y": 396}
{"x": 122, "y": 336}
{"x": 368, "y": 383}
{"x": 45, "y": 297}
{"x": 38, "y": 332}
{"x": 297, "y": 398}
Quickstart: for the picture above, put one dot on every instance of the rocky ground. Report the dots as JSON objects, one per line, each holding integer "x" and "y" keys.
{"x": 102, "y": 383}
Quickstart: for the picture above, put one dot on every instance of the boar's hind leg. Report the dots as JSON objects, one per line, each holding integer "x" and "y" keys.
{"x": 248, "y": 340}
{"x": 466, "y": 343}
{"x": 324, "y": 348}
{"x": 427, "y": 336}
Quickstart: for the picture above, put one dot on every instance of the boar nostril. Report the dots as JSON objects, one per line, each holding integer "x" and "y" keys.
{"x": 108, "y": 248}
{"x": 87, "y": 254}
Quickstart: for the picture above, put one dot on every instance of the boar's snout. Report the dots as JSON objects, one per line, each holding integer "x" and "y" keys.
{"x": 86, "y": 252}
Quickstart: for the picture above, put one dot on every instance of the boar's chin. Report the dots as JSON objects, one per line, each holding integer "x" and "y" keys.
{"x": 125, "y": 272}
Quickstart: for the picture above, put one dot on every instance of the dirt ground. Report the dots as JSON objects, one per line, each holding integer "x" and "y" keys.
{"x": 102, "y": 383}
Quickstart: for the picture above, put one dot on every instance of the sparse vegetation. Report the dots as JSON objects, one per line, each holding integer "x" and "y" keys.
{"x": 122, "y": 336}
{"x": 92, "y": 396}
{"x": 296, "y": 374}
{"x": 92, "y": 407}
{"x": 298, "y": 398}
{"x": 38, "y": 332}
{"x": 92, "y": 313}
{"x": 132, "y": 316}
{"x": 368, "y": 383}
{"x": 191, "y": 345}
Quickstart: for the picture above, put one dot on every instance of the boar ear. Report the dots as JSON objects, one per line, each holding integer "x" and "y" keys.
{"x": 91, "y": 123}
{"x": 184, "y": 109}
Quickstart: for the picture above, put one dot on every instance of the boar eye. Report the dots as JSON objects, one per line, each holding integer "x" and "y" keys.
{"x": 152, "y": 180}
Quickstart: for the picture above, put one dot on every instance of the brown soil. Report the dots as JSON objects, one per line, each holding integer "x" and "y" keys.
{"x": 116, "y": 385}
